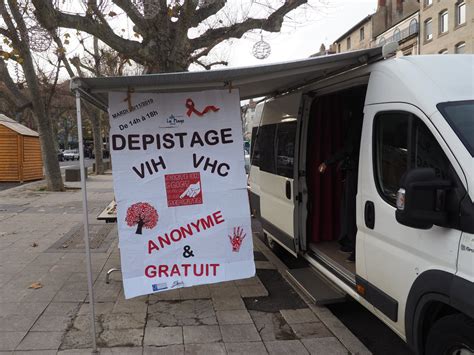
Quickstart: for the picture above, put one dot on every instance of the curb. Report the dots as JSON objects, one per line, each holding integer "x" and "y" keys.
{"x": 340, "y": 331}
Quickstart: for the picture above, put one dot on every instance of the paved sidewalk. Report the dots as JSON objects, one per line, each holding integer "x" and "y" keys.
{"x": 41, "y": 246}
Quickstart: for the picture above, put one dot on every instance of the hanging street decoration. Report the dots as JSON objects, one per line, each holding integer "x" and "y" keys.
{"x": 261, "y": 49}
{"x": 181, "y": 191}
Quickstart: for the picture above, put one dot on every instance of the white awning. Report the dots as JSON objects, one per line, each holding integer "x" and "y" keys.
{"x": 254, "y": 81}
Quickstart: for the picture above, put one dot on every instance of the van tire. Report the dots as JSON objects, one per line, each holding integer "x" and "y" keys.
{"x": 451, "y": 333}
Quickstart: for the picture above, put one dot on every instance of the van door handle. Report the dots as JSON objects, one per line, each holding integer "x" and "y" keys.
{"x": 288, "y": 190}
{"x": 369, "y": 214}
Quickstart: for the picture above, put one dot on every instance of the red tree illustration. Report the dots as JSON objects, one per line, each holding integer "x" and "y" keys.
{"x": 143, "y": 214}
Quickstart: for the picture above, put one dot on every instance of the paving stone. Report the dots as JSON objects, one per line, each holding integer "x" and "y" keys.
{"x": 225, "y": 291}
{"x": 251, "y": 281}
{"x": 264, "y": 265}
{"x": 10, "y": 340}
{"x": 70, "y": 296}
{"x": 311, "y": 330}
{"x": 130, "y": 307}
{"x": 172, "y": 295}
{"x": 16, "y": 322}
{"x": 32, "y": 309}
{"x": 195, "y": 292}
{"x": 233, "y": 317}
{"x": 204, "y": 349}
{"x": 121, "y": 351}
{"x": 41, "y": 341}
{"x": 272, "y": 326}
{"x": 61, "y": 309}
{"x": 237, "y": 333}
{"x": 52, "y": 323}
{"x": 228, "y": 303}
{"x": 295, "y": 316}
{"x": 201, "y": 334}
{"x": 123, "y": 320}
{"x": 99, "y": 308}
{"x": 253, "y": 291}
{"x": 75, "y": 352}
{"x": 325, "y": 346}
{"x": 164, "y": 350}
{"x": 284, "y": 347}
{"x": 121, "y": 337}
{"x": 251, "y": 348}
{"x": 34, "y": 352}
{"x": 83, "y": 323}
{"x": 163, "y": 336}
{"x": 180, "y": 313}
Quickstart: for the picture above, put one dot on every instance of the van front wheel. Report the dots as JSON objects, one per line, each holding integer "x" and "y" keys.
{"x": 451, "y": 335}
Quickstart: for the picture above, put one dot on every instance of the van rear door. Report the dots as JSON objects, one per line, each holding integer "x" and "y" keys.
{"x": 277, "y": 142}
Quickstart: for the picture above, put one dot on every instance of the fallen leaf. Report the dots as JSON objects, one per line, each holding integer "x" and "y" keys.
{"x": 34, "y": 245}
{"x": 36, "y": 285}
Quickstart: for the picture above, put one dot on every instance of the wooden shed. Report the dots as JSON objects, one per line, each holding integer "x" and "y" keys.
{"x": 20, "y": 152}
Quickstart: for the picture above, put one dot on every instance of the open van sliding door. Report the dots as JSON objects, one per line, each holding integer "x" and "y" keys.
{"x": 277, "y": 141}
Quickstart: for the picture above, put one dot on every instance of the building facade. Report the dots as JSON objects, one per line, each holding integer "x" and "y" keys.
{"x": 358, "y": 36}
{"x": 447, "y": 26}
{"x": 419, "y": 26}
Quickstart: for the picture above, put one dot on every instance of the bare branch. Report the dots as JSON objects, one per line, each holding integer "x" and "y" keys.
{"x": 19, "y": 97}
{"x": 51, "y": 19}
{"x": 271, "y": 24}
{"x": 210, "y": 65}
{"x": 203, "y": 13}
{"x": 131, "y": 12}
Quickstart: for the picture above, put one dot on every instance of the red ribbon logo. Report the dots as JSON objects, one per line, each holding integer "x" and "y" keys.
{"x": 191, "y": 109}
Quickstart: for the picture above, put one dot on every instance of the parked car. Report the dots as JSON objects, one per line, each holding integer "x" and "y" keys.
{"x": 71, "y": 155}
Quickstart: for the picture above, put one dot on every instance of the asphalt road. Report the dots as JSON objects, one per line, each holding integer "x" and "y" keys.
{"x": 372, "y": 332}
{"x": 74, "y": 163}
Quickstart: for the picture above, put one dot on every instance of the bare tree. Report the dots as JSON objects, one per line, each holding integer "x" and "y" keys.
{"x": 17, "y": 32}
{"x": 161, "y": 28}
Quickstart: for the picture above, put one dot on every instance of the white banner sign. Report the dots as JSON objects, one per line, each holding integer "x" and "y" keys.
{"x": 179, "y": 178}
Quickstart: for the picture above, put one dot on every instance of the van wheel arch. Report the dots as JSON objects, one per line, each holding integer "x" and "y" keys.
{"x": 430, "y": 299}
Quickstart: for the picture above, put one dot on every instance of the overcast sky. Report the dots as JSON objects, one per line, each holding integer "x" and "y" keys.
{"x": 301, "y": 42}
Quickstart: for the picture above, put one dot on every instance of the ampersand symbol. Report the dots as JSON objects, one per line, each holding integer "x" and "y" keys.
{"x": 187, "y": 252}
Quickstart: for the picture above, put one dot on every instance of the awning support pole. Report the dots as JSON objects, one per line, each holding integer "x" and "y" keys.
{"x": 85, "y": 217}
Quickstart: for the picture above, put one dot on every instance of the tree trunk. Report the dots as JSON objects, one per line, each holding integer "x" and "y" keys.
{"x": 97, "y": 137}
{"x": 139, "y": 227}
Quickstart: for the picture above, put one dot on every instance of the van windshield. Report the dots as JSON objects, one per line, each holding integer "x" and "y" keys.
{"x": 460, "y": 116}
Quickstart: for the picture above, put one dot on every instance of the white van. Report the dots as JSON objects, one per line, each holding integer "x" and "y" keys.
{"x": 404, "y": 128}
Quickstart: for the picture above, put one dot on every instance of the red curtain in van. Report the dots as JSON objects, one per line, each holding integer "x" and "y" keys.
{"x": 325, "y": 190}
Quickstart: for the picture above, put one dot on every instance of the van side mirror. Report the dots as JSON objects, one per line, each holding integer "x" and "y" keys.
{"x": 421, "y": 199}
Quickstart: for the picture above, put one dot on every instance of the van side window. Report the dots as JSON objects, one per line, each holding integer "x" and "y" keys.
{"x": 391, "y": 152}
{"x": 286, "y": 135}
{"x": 402, "y": 142}
{"x": 266, "y": 144}
{"x": 255, "y": 150}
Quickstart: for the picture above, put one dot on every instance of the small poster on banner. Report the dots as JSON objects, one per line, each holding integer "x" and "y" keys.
{"x": 179, "y": 179}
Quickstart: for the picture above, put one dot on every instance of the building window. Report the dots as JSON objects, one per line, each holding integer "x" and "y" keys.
{"x": 428, "y": 30}
{"x": 362, "y": 34}
{"x": 397, "y": 35}
{"x": 460, "y": 13}
{"x": 382, "y": 41}
{"x": 338, "y": 48}
{"x": 443, "y": 21}
{"x": 428, "y": 2}
{"x": 413, "y": 28}
{"x": 348, "y": 43}
{"x": 443, "y": 51}
{"x": 460, "y": 48}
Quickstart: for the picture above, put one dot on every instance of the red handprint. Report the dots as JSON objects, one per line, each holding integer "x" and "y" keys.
{"x": 237, "y": 239}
